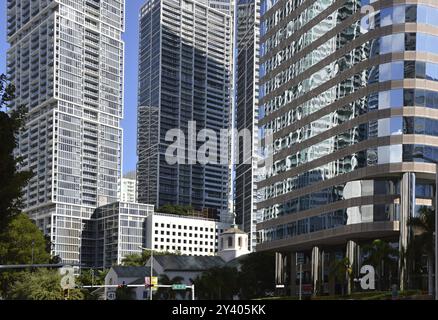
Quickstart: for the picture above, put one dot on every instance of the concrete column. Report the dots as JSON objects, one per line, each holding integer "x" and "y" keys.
{"x": 351, "y": 254}
{"x": 407, "y": 207}
{"x": 293, "y": 274}
{"x": 315, "y": 264}
{"x": 280, "y": 272}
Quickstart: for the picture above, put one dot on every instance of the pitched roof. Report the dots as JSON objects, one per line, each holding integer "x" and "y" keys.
{"x": 188, "y": 263}
{"x": 132, "y": 272}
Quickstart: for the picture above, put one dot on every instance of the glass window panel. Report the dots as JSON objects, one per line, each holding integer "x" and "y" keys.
{"x": 410, "y": 40}
{"x": 419, "y": 125}
{"x": 396, "y": 152}
{"x": 430, "y": 97}
{"x": 384, "y": 99}
{"x": 396, "y": 125}
{"x": 421, "y": 42}
{"x": 420, "y": 69}
{"x": 398, "y": 42}
{"x": 396, "y": 98}
{"x": 408, "y": 97}
{"x": 431, "y": 71}
{"x": 422, "y": 14}
{"x": 386, "y": 17}
{"x": 411, "y": 13}
{"x": 385, "y": 72}
{"x": 398, "y": 15}
{"x": 409, "y": 69}
{"x": 397, "y": 70}
{"x": 385, "y": 44}
{"x": 419, "y": 98}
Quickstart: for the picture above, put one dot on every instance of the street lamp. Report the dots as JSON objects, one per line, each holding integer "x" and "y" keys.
{"x": 152, "y": 263}
{"x": 420, "y": 155}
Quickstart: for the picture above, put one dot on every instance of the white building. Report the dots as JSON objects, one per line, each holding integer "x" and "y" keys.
{"x": 118, "y": 275}
{"x": 188, "y": 235}
{"x": 66, "y": 61}
{"x": 128, "y": 191}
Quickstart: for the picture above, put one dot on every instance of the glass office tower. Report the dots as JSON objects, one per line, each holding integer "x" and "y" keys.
{"x": 66, "y": 61}
{"x": 184, "y": 75}
{"x": 247, "y": 69}
{"x": 350, "y": 91}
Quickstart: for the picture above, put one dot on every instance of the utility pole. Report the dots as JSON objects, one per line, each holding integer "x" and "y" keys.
{"x": 152, "y": 268}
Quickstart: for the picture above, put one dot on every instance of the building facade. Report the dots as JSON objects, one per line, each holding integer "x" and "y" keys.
{"x": 66, "y": 61}
{"x": 349, "y": 90}
{"x": 246, "y": 159}
{"x": 188, "y": 235}
{"x": 184, "y": 77}
{"x": 118, "y": 229}
{"x": 128, "y": 187}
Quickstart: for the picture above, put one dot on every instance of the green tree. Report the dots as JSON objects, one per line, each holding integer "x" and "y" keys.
{"x": 89, "y": 277}
{"x": 256, "y": 276}
{"x": 42, "y": 284}
{"x": 340, "y": 269}
{"x": 217, "y": 284}
{"x": 382, "y": 256}
{"x": 21, "y": 243}
{"x": 136, "y": 259}
{"x": 124, "y": 293}
{"x": 422, "y": 243}
{"x": 168, "y": 293}
{"x": 176, "y": 209}
{"x": 11, "y": 123}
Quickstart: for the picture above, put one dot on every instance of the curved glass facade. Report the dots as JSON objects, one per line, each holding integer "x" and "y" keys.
{"x": 351, "y": 107}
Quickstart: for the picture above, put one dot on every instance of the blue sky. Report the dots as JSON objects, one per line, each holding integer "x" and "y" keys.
{"x": 130, "y": 37}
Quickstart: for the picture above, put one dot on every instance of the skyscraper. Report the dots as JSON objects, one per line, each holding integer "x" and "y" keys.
{"x": 66, "y": 61}
{"x": 184, "y": 76}
{"x": 128, "y": 187}
{"x": 350, "y": 92}
{"x": 247, "y": 69}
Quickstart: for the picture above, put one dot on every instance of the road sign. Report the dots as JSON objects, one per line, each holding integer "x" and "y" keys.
{"x": 179, "y": 287}
{"x": 111, "y": 295}
{"x": 148, "y": 282}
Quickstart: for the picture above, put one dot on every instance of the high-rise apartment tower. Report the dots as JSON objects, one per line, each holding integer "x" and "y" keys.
{"x": 66, "y": 61}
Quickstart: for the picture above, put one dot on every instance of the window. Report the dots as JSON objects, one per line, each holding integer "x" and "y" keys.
{"x": 240, "y": 241}
{"x": 230, "y": 242}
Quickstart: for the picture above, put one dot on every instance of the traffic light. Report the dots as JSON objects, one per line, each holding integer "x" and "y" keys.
{"x": 122, "y": 286}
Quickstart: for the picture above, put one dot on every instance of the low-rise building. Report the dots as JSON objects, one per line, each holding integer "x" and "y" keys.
{"x": 119, "y": 275}
{"x": 118, "y": 229}
{"x": 233, "y": 247}
{"x": 188, "y": 235}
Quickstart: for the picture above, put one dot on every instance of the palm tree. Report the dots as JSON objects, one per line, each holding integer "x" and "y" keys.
{"x": 382, "y": 256}
{"x": 423, "y": 228}
{"x": 168, "y": 293}
{"x": 341, "y": 270}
